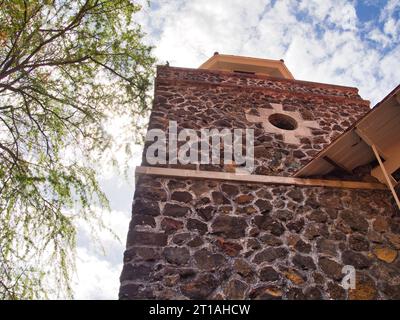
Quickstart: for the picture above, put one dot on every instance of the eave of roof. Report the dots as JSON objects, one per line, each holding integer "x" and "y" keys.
{"x": 339, "y": 142}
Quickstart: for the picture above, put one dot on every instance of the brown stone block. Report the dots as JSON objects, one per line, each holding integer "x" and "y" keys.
{"x": 206, "y": 213}
{"x": 135, "y": 272}
{"x": 175, "y": 210}
{"x": 365, "y": 289}
{"x": 146, "y": 238}
{"x": 380, "y": 224}
{"x": 181, "y": 196}
{"x": 294, "y": 277}
{"x": 303, "y": 262}
{"x": 145, "y": 207}
{"x": 269, "y": 274}
{"x": 232, "y": 249}
{"x": 230, "y": 190}
{"x": 235, "y": 290}
{"x": 201, "y": 287}
{"x": 194, "y": 224}
{"x": 356, "y": 259}
{"x": 230, "y": 227}
{"x": 385, "y": 254}
{"x": 243, "y": 268}
{"x": 394, "y": 239}
{"x": 244, "y": 199}
{"x": 331, "y": 268}
{"x": 358, "y": 242}
{"x": 143, "y": 220}
{"x": 207, "y": 260}
{"x": 269, "y": 224}
{"x": 336, "y": 292}
{"x": 270, "y": 254}
{"x": 176, "y": 255}
{"x": 266, "y": 293}
{"x": 170, "y": 225}
{"x": 355, "y": 221}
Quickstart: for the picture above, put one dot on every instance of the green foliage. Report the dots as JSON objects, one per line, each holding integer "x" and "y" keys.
{"x": 66, "y": 67}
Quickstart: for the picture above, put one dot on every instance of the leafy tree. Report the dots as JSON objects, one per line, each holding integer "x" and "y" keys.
{"x": 66, "y": 67}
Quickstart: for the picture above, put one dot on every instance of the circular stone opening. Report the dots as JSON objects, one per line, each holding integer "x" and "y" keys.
{"x": 282, "y": 121}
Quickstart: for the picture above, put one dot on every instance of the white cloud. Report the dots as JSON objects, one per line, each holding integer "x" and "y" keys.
{"x": 319, "y": 40}
{"x": 99, "y": 260}
{"x": 97, "y": 278}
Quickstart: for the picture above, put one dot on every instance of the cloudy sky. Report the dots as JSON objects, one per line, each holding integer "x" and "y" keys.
{"x": 353, "y": 43}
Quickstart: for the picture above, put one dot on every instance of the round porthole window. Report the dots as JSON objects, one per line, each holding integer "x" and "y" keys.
{"x": 282, "y": 121}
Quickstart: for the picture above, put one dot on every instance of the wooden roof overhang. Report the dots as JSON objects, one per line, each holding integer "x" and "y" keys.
{"x": 376, "y": 136}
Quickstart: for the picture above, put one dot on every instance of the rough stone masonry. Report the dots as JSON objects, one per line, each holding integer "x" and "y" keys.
{"x": 207, "y": 239}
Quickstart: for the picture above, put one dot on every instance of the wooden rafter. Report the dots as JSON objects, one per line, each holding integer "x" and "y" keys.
{"x": 337, "y": 165}
{"x": 369, "y": 141}
{"x": 388, "y": 180}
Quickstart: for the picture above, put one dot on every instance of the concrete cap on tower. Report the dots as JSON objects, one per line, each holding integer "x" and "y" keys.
{"x": 247, "y": 65}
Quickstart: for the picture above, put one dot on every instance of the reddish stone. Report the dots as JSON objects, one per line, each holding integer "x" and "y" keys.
{"x": 170, "y": 225}
{"x": 242, "y": 267}
{"x": 200, "y": 288}
{"x": 232, "y": 249}
{"x": 244, "y": 199}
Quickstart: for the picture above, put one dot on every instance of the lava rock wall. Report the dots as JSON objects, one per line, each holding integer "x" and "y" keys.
{"x": 207, "y": 239}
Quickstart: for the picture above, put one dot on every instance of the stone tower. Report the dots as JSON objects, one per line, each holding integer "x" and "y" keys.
{"x": 200, "y": 231}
